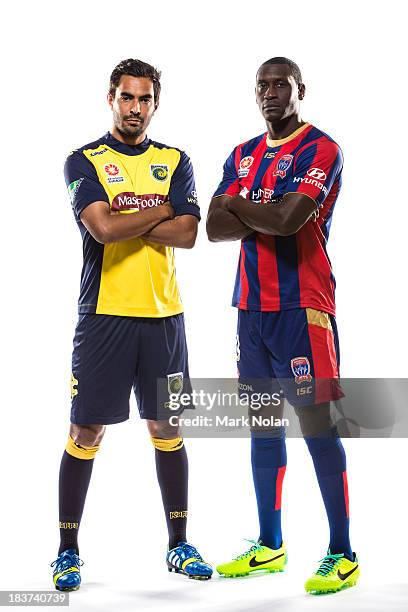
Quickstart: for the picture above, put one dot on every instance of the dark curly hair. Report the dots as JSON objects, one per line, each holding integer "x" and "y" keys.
{"x": 136, "y": 68}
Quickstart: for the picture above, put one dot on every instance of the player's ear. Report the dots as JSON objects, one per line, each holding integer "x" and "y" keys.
{"x": 110, "y": 99}
{"x": 301, "y": 91}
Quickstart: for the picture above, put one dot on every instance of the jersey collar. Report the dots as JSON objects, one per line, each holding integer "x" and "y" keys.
{"x": 277, "y": 143}
{"x": 126, "y": 149}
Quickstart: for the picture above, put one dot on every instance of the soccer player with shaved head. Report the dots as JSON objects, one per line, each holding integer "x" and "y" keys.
{"x": 277, "y": 196}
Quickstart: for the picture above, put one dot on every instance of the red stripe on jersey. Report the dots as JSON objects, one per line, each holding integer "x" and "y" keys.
{"x": 238, "y": 157}
{"x": 243, "y": 298}
{"x": 346, "y": 495}
{"x": 328, "y": 203}
{"x": 279, "y": 481}
{"x": 268, "y": 272}
{"x": 324, "y": 158}
{"x": 316, "y": 287}
{"x": 257, "y": 155}
{"x": 266, "y": 245}
{"x": 325, "y": 365}
{"x": 268, "y": 180}
{"x": 233, "y": 189}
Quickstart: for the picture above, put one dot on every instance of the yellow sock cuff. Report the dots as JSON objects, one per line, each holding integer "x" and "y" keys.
{"x": 168, "y": 445}
{"x": 79, "y": 451}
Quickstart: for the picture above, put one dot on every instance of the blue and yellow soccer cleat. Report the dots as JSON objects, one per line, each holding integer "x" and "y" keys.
{"x": 66, "y": 574}
{"x": 185, "y": 559}
{"x": 258, "y": 557}
{"x": 335, "y": 572}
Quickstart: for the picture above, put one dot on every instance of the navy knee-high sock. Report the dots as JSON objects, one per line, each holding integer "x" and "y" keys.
{"x": 172, "y": 475}
{"x": 329, "y": 460}
{"x": 268, "y": 457}
{"x": 74, "y": 478}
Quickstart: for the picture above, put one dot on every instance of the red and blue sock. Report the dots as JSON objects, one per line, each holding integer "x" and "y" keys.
{"x": 268, "y": 458}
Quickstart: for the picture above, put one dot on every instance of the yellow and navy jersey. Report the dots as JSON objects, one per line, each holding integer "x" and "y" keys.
{"x": 133, "y": 277}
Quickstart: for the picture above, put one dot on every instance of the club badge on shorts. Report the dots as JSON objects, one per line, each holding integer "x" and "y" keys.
{"x": 74, "y": 383}
{"x": 175, "y": 382}
{"x": 301, "y": 369}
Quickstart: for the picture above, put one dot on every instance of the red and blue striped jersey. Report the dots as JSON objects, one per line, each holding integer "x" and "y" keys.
{"x": 283, "y": 272}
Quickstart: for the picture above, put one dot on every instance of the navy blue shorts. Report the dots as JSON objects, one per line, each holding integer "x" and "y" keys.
{"x": 296, "y": 351}
{"x": 112, "y": 354}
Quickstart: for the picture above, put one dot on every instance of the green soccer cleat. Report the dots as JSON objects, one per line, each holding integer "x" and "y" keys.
{"x": 335, "y": 572}
{"x": 258, "y": 557}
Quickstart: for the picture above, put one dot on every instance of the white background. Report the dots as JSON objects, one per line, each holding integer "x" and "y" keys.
{"x": 57, "y": 58}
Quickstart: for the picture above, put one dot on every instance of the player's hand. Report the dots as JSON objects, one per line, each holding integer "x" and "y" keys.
{"x": 170, "y": 209}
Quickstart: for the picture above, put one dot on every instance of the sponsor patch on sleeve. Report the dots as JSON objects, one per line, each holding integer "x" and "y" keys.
{"x": 73, "y": 188}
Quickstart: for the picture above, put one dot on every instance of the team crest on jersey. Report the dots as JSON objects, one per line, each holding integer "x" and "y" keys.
{"x": 113, "y": 173}
{"x": 283, "y": 165}
{"x": 244, "y": 166}
{"x": 175, "y": 382}
{"x": 301, "y": 369}
{"x": 160, "y": 172}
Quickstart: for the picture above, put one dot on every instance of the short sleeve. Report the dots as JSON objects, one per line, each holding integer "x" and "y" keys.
{"x": 316, "y": 169}
{"x": 230, "y": 181}
{"x": 182, "y": 192}
{"x": 82, "y": 183}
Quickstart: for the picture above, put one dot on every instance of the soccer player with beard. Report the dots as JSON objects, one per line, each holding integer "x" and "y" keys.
{"x": 134, "y": 200}
{"x": 277, "y": 196}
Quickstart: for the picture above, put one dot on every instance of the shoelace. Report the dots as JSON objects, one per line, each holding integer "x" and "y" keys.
{"x": 66, "y": 562}
{"x": 191, "y": 551}
{"x": 329, "y": 563}
{"x": 256, "y": 546}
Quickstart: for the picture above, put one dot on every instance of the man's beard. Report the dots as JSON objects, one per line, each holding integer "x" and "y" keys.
{"x": 129, "y": 130}
{"x": 133, "y": 131}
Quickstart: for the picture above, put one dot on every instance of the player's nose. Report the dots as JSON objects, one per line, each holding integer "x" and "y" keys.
{"x": 271, "y": 91}
{"x": 135, "y": 109}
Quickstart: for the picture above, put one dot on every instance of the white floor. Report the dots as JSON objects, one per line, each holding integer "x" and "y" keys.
{"x": 158, "y": 590}
{"x": 123, "y": 534}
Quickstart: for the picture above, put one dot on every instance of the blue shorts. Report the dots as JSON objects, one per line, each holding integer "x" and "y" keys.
{"x": 296, "y": 351}
{"x": 112, "y": 354}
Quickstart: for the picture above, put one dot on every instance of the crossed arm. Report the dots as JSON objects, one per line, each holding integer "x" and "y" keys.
{"x": 158, "y": 225}
{"x": 234, "y": 218}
